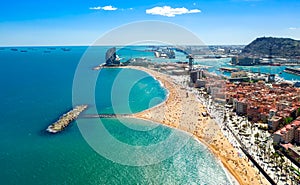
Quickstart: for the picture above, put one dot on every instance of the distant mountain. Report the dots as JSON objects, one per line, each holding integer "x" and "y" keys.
{"x": 273, "y": 47}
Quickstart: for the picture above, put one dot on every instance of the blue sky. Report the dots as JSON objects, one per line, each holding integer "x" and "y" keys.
{"x": 81, "y": 22}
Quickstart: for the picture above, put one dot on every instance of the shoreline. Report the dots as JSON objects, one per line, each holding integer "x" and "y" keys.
{"x": 238, "y": 168}
{"x": 229, "y": 174}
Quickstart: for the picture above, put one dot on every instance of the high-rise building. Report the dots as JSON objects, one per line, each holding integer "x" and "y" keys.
{"x": 191, "y": 62}
{"x": 271, "y": 78}
{"x": 111, "y": 57}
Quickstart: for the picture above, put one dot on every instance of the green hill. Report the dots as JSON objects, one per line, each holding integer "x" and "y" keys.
{"x": 274, "y": 47}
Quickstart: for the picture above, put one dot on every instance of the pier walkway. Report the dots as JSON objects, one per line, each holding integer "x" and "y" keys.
{"x": 106, "y": 116}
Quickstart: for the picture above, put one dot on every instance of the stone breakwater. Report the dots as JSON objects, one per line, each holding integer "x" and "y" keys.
{"x": 66, "y": 119}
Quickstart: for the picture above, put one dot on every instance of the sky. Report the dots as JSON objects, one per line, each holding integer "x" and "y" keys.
{"x": 82, "y": 22}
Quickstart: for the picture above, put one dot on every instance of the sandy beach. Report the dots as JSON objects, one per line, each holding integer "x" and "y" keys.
{"x": 181, "y": 110}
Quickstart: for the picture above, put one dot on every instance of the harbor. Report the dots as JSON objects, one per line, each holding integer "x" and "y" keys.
{"x": 66, "y": 119}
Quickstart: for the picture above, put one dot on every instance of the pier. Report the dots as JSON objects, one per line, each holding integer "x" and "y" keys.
{"x": 66, "y": 119}
{"x": 106, "y": 116}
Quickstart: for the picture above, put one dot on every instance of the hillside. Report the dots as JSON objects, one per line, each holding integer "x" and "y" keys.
{"x": 275, "y": 47}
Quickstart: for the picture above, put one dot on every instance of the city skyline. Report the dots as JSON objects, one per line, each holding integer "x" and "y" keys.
{"x": 227, "y": 22}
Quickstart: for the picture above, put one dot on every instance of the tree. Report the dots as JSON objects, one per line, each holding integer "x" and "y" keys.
{"x": 265, "y": 120}
{"x": 225, "y": 118}
{"x": 263, "y": 149}
{"x": 256, "y": 135}
{"x": 288, "y": 120}
{"x": 281, "y": 163}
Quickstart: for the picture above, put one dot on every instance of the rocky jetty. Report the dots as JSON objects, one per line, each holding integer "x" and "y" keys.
{"x": 66, "y": 119}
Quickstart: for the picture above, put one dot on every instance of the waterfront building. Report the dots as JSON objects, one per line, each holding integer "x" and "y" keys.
{"x": 200, "y": 83}
{"x": 271, "y": 78}
{"x": 297, "y": 135}
{"x": 288, "y": 133}
{"x": 216, "y": 88}
{"x": 111, "y": 58}
{"x": 239, "y": 74}
{"x": 272, "y": 113}
{"x": 240, "y": 79}
{"x": 241, "y": 107}
{"x": 297, "y": 84}
{"x": 283, "y": 135}
{"x": 253, "y": 112}
{"x": 274, "y": 121}
{"x": 195, "y": 75}
{"x": 191, "y": 62}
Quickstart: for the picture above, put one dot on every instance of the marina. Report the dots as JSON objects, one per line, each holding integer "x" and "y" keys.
{"x": 66, "y": 119}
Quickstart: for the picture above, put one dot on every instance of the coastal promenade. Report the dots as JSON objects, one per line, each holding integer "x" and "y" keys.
{"x": 182, "y": 111}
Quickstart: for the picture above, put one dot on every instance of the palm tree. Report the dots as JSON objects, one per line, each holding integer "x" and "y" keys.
{"x": 265, "y": 152}
{"x": 287, "y": 171}
{"x": 267, "y": 155}
{"x": 272, "y": 158}
{"x": 256, "y": 136}
{"x": 224, "y": 118}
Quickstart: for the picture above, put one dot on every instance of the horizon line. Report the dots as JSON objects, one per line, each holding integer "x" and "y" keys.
{"x": 118, "y": 45}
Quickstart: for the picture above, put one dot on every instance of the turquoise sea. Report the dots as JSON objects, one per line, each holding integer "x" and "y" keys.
{"x": 37, "y": 86}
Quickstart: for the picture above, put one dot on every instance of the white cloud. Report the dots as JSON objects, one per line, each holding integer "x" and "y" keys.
{"x": 95, "y": 8}
{"x": 107, "y": 8}
{"x": 170, "y": 12}
{"x": 293, "y": 28}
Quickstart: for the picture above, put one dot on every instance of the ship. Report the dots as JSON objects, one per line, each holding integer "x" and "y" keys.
{"x": 228, "y": 69}
{"x": 165, "y": 53}
{"x": 275, "y": 64}
{"x": 66, "y": 119}
{"x": 295, "y": 71}
{"x": 269, "y": 61}
{"x": 66, "y": 49}
{"x": 244, "y": 61}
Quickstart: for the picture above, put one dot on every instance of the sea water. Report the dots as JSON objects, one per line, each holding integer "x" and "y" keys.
{"x": 37, "y": 87}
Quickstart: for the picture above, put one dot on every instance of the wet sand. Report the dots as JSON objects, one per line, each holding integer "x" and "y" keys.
{"x": 181, "y": 110}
